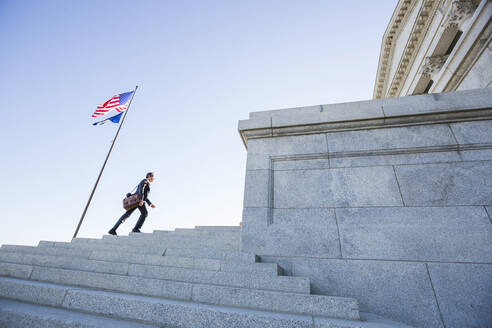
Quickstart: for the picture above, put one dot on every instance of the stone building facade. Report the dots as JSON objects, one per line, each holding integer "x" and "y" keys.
{"x": 389, "y": 200}
{"x": 433, "y": 46}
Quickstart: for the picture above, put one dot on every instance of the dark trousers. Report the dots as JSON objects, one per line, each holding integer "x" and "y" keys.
{"x": 141, "y": 219}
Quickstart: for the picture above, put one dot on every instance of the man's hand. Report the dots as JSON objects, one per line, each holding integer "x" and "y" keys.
{"x": 141, "y": 203}
{"x": 153, "y": 206}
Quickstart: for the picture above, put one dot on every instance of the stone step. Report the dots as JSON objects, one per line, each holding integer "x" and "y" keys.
{"x": 15, "y": 314}
{"x": 196, "y": 232}
{"x": 216, "y": 295}
{"x": 38, "y": 258}
{"x": 219, "y": 228}
{"x": 15, "y": 268}
{"x": 179, "y": 252}
{"x": 154, "y": 243}
{"x": 170, "y": 241}
{"x": 183, "y": 313}
{"x": 188, "y": 262}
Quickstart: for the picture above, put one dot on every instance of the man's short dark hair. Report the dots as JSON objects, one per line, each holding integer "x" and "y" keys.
{"x": 150, "y": 174}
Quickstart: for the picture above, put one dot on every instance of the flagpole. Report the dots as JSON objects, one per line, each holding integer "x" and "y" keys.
{"x": 104, "y": 165}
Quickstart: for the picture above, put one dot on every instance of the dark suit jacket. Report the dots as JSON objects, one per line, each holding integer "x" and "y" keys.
{"x": 143, "y": 191}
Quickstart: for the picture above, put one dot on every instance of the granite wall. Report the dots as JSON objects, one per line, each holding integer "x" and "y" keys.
{"x": 388, "y": 201}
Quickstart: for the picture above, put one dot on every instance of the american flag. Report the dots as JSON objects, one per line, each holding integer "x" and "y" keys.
{"x": 119, "y": 103}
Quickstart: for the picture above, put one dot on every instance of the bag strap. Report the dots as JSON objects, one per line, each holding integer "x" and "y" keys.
{"x": 134, "y": 189}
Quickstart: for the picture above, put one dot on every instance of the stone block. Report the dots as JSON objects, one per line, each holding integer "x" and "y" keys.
{"x": 256, "y": 188}
{"x": 285, "y": 263}
{"x": 419, "y": 136}
{"x": 292, "y": 145}
{"x": 464, "y": 293}
{"x": 20, "y": 315}
{"x": 475, "y": 132}
{"x": 172, "y": 261}
{"x": 212, "y": 254}
{"x": 31, "y": 291}
{"x": 337, "y": 307}
{"x": 365, "y": 186}
{"x": 439, "y": 102}
{"x": 258, "y": 268}
{"x": 301, "y": 164}
{"x": 476, "y": 155}
{"x": 459, "y": 234}
{"x": 178, "y": 314}
{"x": 295, "y": 232}
{"x": 84, "y": 253}
{"x": 467, "y": 183}
{"x": 257, "y": 162}
{"x": 235, "y": 279}
{"x": 362, "y": 110}
{"x": 135, "y": 285}
{"x": 397, "y": 290}
{"x": 256, "y": 123}
{"x": 21, "y": 271}
{"x": 397, "y": 159}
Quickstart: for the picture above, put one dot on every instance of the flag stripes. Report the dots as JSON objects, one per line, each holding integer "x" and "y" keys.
{"x": 120, "y": 104}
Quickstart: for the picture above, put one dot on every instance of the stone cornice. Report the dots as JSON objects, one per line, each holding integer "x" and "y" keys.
{"x": 388, "y": 44}
{"x": 453, "y": 106}
{"x": 419, "y": 30}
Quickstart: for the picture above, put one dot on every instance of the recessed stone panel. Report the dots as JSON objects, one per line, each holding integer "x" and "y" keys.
{"x": 460, "y": 234}
{"x": 467, "y": 183}
{"x": 347, "y": 187}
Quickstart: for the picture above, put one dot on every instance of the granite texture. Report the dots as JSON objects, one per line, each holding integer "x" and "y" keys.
{"x": 336, "y": 307}
{"x": 364, "y": 186}
{"x": 135, "y": 285}
{"x": 390, "y": 138}
{"x": 84, "y": 253}
{"x": 178, "y": 314}
{"x": 15, "y": 270}
{"x": 271, "y": 269}
{"x": 459, "y": 234}
{"x": 31, "y": 291}
{"x": 172, "y": 261}
{"x": 467, "y": 183}
{"x": 20, "y": 315}
{"x": 212, "y": 254}
{"x": 397, "y": 290}
{"x": 396, "y": 159}
{"x": 285, "y": 263}
{"x": 475, "y": 132}
{"x": 256, "y": 188}
{"x": 464, "y": 293}
{"x": 314, "y": 231}
{"x": 236, "y": 279}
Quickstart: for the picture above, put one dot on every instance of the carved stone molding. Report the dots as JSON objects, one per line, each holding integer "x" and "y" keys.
{"x": 427, "y": 11}
{"x": 389, "y": 38}
{"x": 433, "y": 64}
{"x": 460, "y": 10}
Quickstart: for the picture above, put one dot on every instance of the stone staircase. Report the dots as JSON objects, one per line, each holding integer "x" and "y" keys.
{"x": 183, "y": 278}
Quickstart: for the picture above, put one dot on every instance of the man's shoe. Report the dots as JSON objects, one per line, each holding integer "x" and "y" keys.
{"x": 112, "y": 232}
{"x": 135, "y": 230}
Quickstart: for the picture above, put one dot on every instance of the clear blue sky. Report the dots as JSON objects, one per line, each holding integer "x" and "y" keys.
{"x": 200, "y": 65}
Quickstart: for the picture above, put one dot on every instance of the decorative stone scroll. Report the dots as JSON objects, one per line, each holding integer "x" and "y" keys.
{"x": 433, "y": 64}
{"x": 460, "y": 11}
